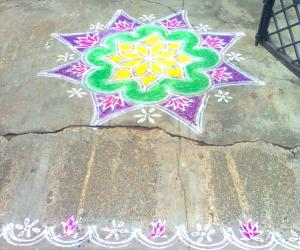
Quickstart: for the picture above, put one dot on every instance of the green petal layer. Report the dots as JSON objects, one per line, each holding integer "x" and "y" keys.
{"x": 97, "y": 79}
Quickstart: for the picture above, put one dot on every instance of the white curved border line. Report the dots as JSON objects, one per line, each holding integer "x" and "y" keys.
{"x": 181, "y": 235}
{"x": 184, "y": 237}
{"x": 198, "y": 128}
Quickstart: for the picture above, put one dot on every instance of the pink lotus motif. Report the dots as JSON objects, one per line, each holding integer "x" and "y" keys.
{"x": 138, "y": 94}
{"x": 70, "y": 228}
{"x": 179, "y": 102}
{"x": 123, "y": 25}
{"x": 173, "y": 23}
{"x": 158, "y": 230}
{"x": 249, "y": 230}
{"x": 87, "y": 41}
{"x": 214, "y": 42}
{"x": 109, "y": 102}
{"x": 78, "y": 70}
{"x": 221, "y": 75}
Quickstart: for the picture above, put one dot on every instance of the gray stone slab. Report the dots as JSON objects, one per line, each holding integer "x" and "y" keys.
{"x": 139, "y": 175}
{"x": 31, "y": 103}
{"x": 244, "y": 165}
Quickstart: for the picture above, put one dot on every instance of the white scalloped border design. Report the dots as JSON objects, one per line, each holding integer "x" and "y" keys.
{"x": 90, "y": 235}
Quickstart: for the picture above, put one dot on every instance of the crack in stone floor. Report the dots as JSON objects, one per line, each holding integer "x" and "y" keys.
{"x": 8, "y": 136}
{"x": 244, "y": 164}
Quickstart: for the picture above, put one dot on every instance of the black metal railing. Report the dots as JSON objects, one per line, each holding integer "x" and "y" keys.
{"x": 279, "y": 31}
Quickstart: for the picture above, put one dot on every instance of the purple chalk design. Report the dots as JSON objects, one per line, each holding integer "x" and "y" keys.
{"x": 236, "y": 76}
{"x": 122, "y": 22}
{"x": 191, "y": 115}
{"x": 177, "y": 21}
{"x": 107, "y": 108}
{"x": 219, "y": 42}
{"x": 79, "y": 42}
{"x": 73, "y": 71}
{"x": 187, "y": 109}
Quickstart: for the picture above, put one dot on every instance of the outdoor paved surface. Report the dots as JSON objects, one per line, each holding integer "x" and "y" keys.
{"x": 245, "y": 164}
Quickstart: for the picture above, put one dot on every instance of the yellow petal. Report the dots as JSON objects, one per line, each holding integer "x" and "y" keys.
{"x": 122, "y": 46}
{"x": 141, "y": 70}
{"x": 156, "y": 48}
{"x": 167, "y": 62}
{"x": 182, "y": 58}
{"x": 152, "y": 40}
{"x": 148, "y": 79}
{"x": 173, "y": 45}
{"x": 166, "y": 54}
{"x": 131, "y": 63}
{"x": 156, "y": 68}
{"x": 141, "y": 49}
{"x": 122, "y": 74}
{"x": 175, "y": 72}
{"x": 130, "y": 55}
{"x": 115, "y": 58}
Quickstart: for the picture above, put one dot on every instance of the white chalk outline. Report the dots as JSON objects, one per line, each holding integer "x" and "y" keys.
{"x": 226, "y": 237}
{"x": 200, "y": 114}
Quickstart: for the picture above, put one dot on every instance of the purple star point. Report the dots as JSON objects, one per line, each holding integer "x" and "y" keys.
{"x": 186, "y": 109}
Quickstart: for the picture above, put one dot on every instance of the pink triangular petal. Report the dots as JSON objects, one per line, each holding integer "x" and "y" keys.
{"x": 122, "y": 20}
{"x": 247, "y": 235}
{"x": 232, "y": 76}
{"x": 175, "y": 21}
{"x": 192, "y": 114}
{"x": 78, "y": 42}
{"x": 220, "y": 42}
{"x": 67, "y": 71}
{"x": 102, "y": 115}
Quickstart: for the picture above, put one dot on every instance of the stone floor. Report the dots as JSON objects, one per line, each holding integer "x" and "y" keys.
{"x": 245, "y": 164}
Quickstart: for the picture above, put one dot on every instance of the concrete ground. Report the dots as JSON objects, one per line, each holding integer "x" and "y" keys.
{"x": 246, "y": 164}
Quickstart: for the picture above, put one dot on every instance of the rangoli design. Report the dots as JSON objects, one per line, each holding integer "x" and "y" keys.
{"x": 164, "y": 64}
{"x": 117, "y": 234}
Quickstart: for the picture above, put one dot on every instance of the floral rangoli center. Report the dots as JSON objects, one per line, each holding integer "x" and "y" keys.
{"x": 163, "y": 66}
{"x": 149, "y": 61}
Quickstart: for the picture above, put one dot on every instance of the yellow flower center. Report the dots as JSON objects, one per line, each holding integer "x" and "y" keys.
{"x": 149, "y": 61}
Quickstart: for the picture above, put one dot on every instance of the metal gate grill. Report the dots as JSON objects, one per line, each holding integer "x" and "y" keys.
{"x": 279, "y": 31}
